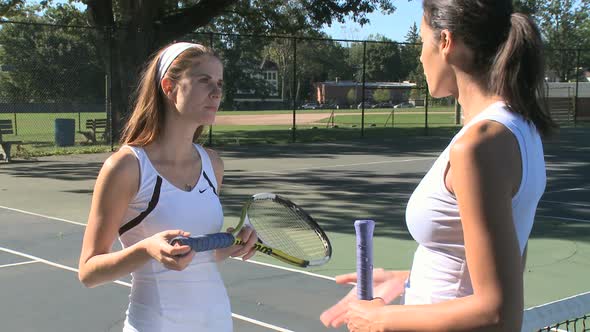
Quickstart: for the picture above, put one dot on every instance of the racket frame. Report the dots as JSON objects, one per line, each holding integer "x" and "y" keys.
{"x": 273, "y": 252}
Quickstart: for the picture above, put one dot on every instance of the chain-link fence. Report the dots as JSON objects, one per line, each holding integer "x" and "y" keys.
{"x": 567, "y": 90}
{"x": 63, "y": 85}
{"x": 52, "y": 83}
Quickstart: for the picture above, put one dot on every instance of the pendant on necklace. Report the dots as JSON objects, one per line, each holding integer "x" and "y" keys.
{"x": 188, "y": 187}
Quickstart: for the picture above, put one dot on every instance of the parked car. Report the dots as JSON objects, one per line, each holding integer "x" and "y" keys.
{"x": 328, "y": 106}
{"x": 383, "y": 105}
{"x": 310, "y": 106}
{"x": 404, "y": 105}
{"x": 367, "y": 105}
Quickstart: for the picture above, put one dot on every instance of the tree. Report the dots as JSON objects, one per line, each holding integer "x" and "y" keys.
{"x": 381, "y": 95}
{"x": 10, "y": 7}
{"x": 561, "y": 24}
{"x": 382, "y": 60}
{"x": 50, "y": 64}
{"x": 316, "y": 60}
{"x": 410, "y": 56}
{"x": 411, "y": 62}
{"x": 143, "y": 26}
{"x": 351, "y": 96}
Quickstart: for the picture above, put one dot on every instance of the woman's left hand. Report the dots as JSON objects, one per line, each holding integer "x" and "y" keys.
{"x": 248, "y": 235}
{"x": 362, "y": 315}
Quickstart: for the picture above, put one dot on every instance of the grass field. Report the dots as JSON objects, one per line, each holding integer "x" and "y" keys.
{"x": 37, "y": 130}
{"x": 394, "y": 119}
{"x": 433, "y": 109}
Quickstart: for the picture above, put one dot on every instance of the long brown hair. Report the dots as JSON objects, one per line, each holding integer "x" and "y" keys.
{"x": 147, "y": 119}
{"x": 507, "y": 48}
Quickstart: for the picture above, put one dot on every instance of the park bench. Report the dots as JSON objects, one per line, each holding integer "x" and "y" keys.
{"x": 95, "y": 127}
{"x": 6, "y": 129}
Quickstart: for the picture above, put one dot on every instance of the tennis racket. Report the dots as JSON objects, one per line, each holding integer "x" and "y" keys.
{"x": 364, "y": 258}
{"x": 284, "y": 230}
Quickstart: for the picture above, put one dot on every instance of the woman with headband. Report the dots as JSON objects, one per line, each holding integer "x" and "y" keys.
{"x": 159, "y": 185}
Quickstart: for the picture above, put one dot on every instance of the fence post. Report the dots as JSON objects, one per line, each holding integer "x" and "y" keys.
{"x": 109, "y": 84}
{"x": 211, "y": 126}
{"x": 426, "y": 101}
{"x": 577, "y": 88}
{"x": 363, "y": 89}
{"x": 294, "y": 95}
{"x": 15, "y": 125}
{"x": 457, "y": 112}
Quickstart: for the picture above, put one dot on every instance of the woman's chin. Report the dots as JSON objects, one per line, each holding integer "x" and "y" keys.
{"x": 206, "y": 119}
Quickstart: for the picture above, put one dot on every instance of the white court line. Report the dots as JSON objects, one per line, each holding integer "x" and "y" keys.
{"x": 332, "y": 166}
{"x": 64, "y": 267}
{"x": 564, "y": 218}
{"x": 43, "y": 216}
{"x": 286, "y": 269}
{"x": 563, "y": 190}
{"x": 248, "y": 261}
{"x": 59, "y": 266}
{"x": 17, "y": 264}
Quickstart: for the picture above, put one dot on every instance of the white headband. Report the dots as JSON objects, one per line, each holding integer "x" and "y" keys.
{"x": 171, "y": 53}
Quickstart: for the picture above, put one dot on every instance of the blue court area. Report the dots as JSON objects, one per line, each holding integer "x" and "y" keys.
{"x": 44, "y": 205}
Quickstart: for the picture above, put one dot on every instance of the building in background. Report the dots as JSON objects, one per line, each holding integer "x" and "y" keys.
{"x": 347, "y": 94}
{"x": 265, "y": 94}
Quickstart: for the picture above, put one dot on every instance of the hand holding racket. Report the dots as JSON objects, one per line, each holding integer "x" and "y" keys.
{"x": 364, "y": 258}
{"x": 387, "y": 285}
{"x": 284, "y": 231}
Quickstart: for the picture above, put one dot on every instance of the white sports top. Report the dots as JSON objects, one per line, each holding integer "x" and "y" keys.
{"x": 439, "y": 270}
{"x": 194, "y": 299}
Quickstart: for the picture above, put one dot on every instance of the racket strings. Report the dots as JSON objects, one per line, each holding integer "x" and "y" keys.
{"x": 286, "y": 229}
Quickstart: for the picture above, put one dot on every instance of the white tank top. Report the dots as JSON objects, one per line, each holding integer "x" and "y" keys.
{"x": 439, "y": 269}
{"x": 194, "y": 299}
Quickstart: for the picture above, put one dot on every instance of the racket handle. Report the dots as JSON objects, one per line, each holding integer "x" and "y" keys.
{"x": 364, "y": 258}
{"x": 206, "y": 242}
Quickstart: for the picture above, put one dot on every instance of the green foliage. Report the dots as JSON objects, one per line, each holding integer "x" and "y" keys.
{"x": 383, "y": 60}
{"x": 564, "y": 25}
{"x": 351, "y": 96}
{"x": 50, "y": 64}
{"x": 381, "y": 95}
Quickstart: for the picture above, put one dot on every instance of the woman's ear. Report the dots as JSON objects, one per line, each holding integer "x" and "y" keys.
{"x": 446, "y": 43}
{"x": 167, "y": 87}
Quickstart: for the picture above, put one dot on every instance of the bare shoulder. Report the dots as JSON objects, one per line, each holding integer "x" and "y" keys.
{"x": 122, "y": 162}
{"x": 216, "y": 161}
{"x": 485, "y": 141}
{"x": 120, "y": 169}
{"x": 487, "y": 152}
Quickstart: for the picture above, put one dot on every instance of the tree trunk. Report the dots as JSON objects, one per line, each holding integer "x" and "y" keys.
{"x": 143, "y": 27}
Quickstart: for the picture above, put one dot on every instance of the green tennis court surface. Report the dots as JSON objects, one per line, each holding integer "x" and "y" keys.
{"x": 44, "y": 206}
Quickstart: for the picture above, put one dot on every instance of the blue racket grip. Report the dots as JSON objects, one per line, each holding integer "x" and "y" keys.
{"x": 364, "y": 258}
{"x": 206, "y": 242}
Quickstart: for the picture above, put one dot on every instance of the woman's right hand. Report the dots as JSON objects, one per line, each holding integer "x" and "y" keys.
{"x": 387, "y": 285}
{"x": 174, "y": 257}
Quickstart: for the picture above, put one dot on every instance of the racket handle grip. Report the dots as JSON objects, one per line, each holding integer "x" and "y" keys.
{"x": 364, "y": 258}
{"x": 206, "y": 242}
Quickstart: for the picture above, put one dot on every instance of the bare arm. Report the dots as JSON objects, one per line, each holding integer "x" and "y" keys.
{"x": 486, "y": 169}
{"x": 116, "y": 185}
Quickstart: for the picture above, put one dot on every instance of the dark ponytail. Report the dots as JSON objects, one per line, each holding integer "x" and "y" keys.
{"x": 517, "y": 73}
{"x": 508, "y": 51}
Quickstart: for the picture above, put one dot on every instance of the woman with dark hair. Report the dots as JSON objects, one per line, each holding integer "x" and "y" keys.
{"x": 473, "y": 211}
{"x": 160, "y": 185}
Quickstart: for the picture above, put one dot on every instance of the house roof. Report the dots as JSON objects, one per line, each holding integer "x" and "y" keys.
{"x": 269, "y": 65}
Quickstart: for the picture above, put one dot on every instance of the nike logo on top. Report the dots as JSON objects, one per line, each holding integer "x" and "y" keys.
{"x": 202, "y": 191}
